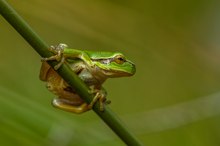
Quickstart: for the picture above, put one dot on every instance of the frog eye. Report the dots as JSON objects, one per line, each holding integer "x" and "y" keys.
{"x": 119, "y": 59}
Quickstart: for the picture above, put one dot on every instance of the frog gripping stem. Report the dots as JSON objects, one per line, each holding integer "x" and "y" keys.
{"x": 102, "y": 100}
{"x": 58, "y": 51}
{"x": 55, "y": 80}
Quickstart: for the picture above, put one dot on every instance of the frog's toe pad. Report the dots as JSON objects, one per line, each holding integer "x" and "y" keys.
{"x": 107, "y": 101}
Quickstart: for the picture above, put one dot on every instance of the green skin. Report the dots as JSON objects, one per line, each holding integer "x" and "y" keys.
{"x": 92, "y": 67}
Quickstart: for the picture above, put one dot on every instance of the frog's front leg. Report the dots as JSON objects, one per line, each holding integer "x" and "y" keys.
{"x": 58, "y": 51}
{"x": 62, "y": 52}
{"x": 64, "y": 105}
{"x": 100, "y": 96}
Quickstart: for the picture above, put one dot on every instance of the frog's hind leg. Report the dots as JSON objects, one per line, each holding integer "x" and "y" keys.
{"x": 63, "y": 105}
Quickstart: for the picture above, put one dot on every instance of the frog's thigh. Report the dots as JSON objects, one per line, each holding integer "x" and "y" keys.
{"x": 58, "y": 103}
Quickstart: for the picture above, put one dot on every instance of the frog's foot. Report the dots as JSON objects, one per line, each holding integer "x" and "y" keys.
{"x": 67, "y": 106}
{"x": 58, "y": 51}
{"x": 100, "y": 97}
{"x": 107, "y": 101}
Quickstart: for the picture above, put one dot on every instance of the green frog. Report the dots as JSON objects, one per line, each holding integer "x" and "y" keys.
{"x": 93, "y": 68}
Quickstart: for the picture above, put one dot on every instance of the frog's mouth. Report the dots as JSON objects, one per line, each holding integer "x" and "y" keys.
{"x": 115, "y": 73}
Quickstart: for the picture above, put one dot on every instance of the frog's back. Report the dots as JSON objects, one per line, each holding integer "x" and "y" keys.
{"x": 101, "y": 55}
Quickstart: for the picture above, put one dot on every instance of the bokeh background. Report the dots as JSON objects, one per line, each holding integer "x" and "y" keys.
{"x": 173, "y": 99}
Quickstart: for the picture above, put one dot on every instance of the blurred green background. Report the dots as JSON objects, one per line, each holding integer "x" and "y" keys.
{"x": 173, "y": 99}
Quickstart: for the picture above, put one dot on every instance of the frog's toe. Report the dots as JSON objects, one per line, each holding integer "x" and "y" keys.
{"x": 43, "y": 59}
{"x": 56, "y": 67}
{"x": 107, "y": 101}
{"x": 62, "y": 46}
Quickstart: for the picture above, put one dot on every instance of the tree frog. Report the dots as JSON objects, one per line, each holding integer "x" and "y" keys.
{"x": 93, "y": 68}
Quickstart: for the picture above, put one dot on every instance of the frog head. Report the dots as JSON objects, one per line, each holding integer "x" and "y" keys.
{"x": 112, "y": 65}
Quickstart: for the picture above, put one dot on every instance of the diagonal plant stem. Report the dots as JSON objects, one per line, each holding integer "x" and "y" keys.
{"x": 109, "y": 117}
